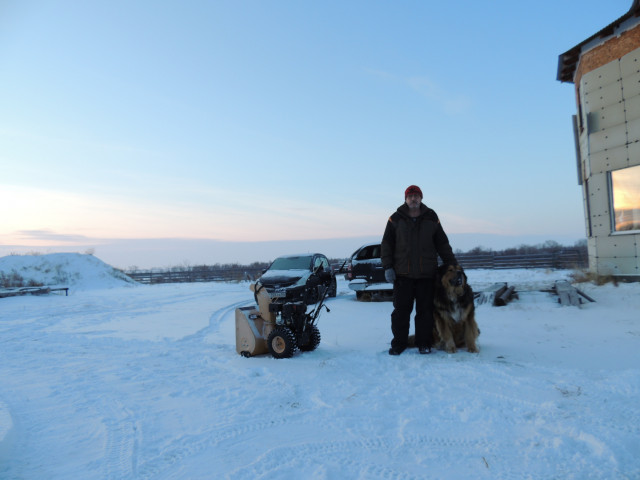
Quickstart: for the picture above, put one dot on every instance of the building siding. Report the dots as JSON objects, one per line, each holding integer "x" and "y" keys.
{"x": 608, "y": 92}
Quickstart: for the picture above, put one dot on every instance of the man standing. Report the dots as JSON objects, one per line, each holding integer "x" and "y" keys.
{"x": 412, "y": 241}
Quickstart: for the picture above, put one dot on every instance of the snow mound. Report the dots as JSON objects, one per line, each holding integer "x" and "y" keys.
{"x": 76, "y": 270}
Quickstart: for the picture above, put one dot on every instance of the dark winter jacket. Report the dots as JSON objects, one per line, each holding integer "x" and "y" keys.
{"x": 411, "y": 245}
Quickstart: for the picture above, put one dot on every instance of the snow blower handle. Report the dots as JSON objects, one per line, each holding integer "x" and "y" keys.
{"x": 313, "y": 315}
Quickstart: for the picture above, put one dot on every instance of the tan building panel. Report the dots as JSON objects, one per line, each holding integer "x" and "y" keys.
{"x": 631, "y": 85}
{"x": 600, "y": 77}
{"x": 630, "y": 64}
{"x": 607, "y": 117}
{"x": 600, "y": 226}
{"x": 633, "y": 130}
{"x": 599, "y": 205}
{"x": 606, "y": 139}
{"x": 634, "y": 154}
{"x": 632, "y": 108}
{"x": 610, "y": 94}
{"x": 613, "y": 246}
{"x": 582, "y": 114}
{"x": 606, "y": 160}
{"x": 618, "y": 266}
{"x": 600, "y": 218}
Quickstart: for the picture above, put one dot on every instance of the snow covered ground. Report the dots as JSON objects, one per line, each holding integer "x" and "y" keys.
{"x": 123, "y": 381}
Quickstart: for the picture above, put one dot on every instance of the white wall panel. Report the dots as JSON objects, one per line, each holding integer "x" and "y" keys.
{"x": 618, "y": 266}
{"x": 632, "y": 108}
{"x": 607, "y": 117}
{"x": 630, "y": 63}
{"x": 617, "y": 246}
{"x": 634, "y": 154}
{"x": 605, "y": 139}
{"x": 601, "y": 77}
{"x": 603, "y": 97}
{"x": 599, "y": 204}
{"x": 631, "y": 85}
{"x": 607, "y": 160}
{"x": 633, "y": 130}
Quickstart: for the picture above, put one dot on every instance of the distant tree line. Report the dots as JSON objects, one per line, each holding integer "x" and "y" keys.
{"x": 550, "y": 246}
{"x": 202, "y": 268}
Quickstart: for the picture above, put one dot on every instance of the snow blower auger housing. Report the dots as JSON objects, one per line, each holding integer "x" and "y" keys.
{"x": 281, "y": 326}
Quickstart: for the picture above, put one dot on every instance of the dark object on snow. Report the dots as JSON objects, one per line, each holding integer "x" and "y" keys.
{"x": 568, "y": 294}
{"x": 14, "y": 292}
{"x": 499, "y": 294}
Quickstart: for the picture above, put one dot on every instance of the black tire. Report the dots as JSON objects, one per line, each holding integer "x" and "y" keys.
{"x": 281, "y": 342}
{"x": 333, "y": 288}
{"x": 313, "y": 340}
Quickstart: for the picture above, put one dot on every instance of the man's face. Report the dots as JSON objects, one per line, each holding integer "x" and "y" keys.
{"x": 413, "y": 200}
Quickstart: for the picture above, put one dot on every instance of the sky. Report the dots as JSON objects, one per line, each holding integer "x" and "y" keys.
{"x": 277, "y": 121}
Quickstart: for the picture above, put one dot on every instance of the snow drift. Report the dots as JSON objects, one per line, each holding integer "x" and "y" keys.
{"x": 63, "y": 269}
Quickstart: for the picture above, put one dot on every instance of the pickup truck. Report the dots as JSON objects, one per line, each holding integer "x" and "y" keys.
{"x": 366, "y": 275}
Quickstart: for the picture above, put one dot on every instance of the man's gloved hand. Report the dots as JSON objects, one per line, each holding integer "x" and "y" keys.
{"x": 390, "y": 275}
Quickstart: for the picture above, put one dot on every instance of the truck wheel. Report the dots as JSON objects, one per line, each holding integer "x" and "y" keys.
{"x": 313, "y": 340}
{"x": 333, "y": 288}
{"x": 281, "y": 342}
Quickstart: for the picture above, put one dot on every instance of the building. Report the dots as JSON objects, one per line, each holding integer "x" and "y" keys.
{"x": 605, "y": 69}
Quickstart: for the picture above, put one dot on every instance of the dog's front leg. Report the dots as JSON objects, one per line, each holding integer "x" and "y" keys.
{"x": 446, "y": 335}
{"x": 471, "y": 332}
{"x": 470, "y": 340}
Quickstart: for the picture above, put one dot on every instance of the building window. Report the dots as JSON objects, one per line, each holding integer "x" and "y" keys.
{"x": 625, "y": 193}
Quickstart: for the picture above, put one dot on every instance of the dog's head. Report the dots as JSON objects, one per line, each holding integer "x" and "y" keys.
{"x": 452, "y": 278}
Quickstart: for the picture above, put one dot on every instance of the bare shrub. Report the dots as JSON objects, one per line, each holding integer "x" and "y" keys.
{"x": 585, "y": 276}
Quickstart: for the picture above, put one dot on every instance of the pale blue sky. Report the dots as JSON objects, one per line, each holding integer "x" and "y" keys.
{"x": 285, "y": 120}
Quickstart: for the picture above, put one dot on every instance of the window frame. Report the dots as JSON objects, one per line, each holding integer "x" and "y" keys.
{"x": 612, "y": 206}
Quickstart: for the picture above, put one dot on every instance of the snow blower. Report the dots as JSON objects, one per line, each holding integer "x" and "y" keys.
{"x": 279, "y": 326}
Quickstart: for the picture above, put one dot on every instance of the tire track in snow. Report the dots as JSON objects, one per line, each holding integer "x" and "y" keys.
{"x": 122, "y": 441}
{"x": 215, "y": 320}
{"x": 191, "y": 445}
{"x": 341, "y": 453}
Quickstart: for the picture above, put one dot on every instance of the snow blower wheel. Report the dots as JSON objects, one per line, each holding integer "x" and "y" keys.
{"x": 309, "y": 340}
{"x": 281, "y": 342}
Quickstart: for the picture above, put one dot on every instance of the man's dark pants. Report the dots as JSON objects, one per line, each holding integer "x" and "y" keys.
{"x": 405, "y": 292}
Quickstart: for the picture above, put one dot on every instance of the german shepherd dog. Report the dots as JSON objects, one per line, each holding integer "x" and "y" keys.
{"x": 454, "y": 312}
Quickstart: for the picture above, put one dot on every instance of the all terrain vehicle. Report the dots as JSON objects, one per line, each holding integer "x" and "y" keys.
{"x": 281, "y": 325}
